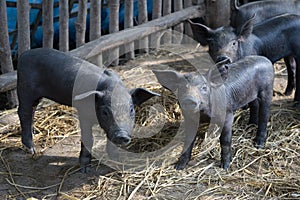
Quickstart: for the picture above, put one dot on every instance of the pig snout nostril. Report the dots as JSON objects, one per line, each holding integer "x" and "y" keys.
{"x": 121, "y": 138}
{"x": 124, "y": 140}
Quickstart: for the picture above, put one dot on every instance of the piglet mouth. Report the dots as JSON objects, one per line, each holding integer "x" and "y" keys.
{"x": 223, "y": 59}
{"x": 121, "y": 138}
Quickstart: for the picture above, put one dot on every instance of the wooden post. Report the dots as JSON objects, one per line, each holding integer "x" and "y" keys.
{"x": 178, "y": 5}
{"x": 222, "y": 7}
{"x": 128, "y": 23}
{"x": 23, "y": 26}
{"x": 95, "y": 27}
{"x": 64, "y": 25}
{"x": 187, "y": 27}
{"x": 80, "y": 25}
{"x": 143, "y": 17}
{"x": 114, "y": 6}
{"x": 48, "y": 31}
{"x": 166, "y": 39}
{"x": 156, "y": 13}
{"x": 5, "y": 52}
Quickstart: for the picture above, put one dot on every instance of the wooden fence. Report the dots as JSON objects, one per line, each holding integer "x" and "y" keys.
{"x": 166, "y": 14}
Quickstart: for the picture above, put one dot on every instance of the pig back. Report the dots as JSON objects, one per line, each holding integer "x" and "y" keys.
{"x": 263, "y": 10}
{"x": 246, "y": 78}
{"x": 52, "y": 74}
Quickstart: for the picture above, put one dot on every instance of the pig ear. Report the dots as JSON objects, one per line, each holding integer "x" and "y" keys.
{"x": 234, "y": 5}
{"x": 201, "y": 32}
{"x": 87, "y": 94}
{"x": 246, "y": 29}
{"x": 140, "y": 95}
{"x": 168, "y": 78}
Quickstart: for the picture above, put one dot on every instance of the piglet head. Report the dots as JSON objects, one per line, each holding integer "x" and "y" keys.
{"x": 115, "y": 110}
{"x": 224, "y": 43}
{"x": 191, "y": 89}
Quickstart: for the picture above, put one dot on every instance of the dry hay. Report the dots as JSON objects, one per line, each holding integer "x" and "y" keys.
{"x": 269, "y": 173}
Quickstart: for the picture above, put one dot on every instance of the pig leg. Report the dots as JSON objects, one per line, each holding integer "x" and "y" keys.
{"x": 264, "y": 114}
{"x": 225, "y": 140}
{"x": 85, "y": 156}
{"x": 191, "y": 124}
{"x": 254, "y": 109}
{"x": 26, "y": 113}
{"x": 291, "y": 67}
{"x": 297, "y": 92}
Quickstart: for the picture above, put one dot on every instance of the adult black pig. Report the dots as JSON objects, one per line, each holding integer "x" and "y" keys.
{"x": 264, "y": 10}
{"x": 249, "y": 80}
{"x": 274, "y": 38}
{"x": 98, "y": 94}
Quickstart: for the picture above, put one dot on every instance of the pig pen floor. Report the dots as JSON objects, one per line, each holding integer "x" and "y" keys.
{"x": 269, "y": 173}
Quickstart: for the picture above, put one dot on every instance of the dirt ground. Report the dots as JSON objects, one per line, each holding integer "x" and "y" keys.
{"x": 54, "y": 172}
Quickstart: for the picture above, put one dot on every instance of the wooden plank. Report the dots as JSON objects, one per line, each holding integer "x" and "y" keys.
{"x": 166, "y": 39}
{"x": 80, "y": 25}
{"x": 156, "y": 13}
{"x": 117, "y": 39}
{"x": 178, "y": 5}
{"x": 114, "y": 6}
{"x": 48, "y": 30}
{"x": 5, "y": 52}
{"x": 64, "y": 25}
{"x": 23, "y": 26}
{"x": 8, "y": 81}
{"x": 128, "y": 23}
{"x": 143, "y": 18}
{"x": 95, "y": 27}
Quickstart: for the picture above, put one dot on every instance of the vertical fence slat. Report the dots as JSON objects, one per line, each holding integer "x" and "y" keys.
{"x": 128, "y": 23}
{"x": 223, "y": 10}
{"x": 178, "y": 5}
{"x": 48, "y": 30}
{"x": 95, "y": 27}
{"x": 23, "y": 26}
{"x": 166, "y": 39}
{"x": 80, "y": 25}
{"x": 114, "y": 6}
{"x": 156, "y": 13}
{"x": 188, "y": 30}
{"x": 5, "y": 52}
{"x": 64, "y": 25}
{"x": 143, "y": 17}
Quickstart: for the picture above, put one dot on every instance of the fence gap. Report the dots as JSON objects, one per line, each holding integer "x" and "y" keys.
{"x": 128, "y": 23}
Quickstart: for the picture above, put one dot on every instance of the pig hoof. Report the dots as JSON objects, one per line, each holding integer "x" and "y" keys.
{"x": 85, "y": 169}
{"x": 297, "y": 104}
{"x": 288, "y": 92}
{"x": 182, "y": 162}
{"x": 259, "y": 143}
{"x": 30, "y": 150}
{"x": 225, "y": 165}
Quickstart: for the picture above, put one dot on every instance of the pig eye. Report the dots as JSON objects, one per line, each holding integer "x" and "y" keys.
{"x": 234, "y": 43}
{"x": 204, "y": 88}
{"x": 131, "y": 111}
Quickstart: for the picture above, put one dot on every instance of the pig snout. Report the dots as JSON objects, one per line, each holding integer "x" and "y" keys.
{"x": 223, "y": 58}
{"x": 121, "y": 138}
